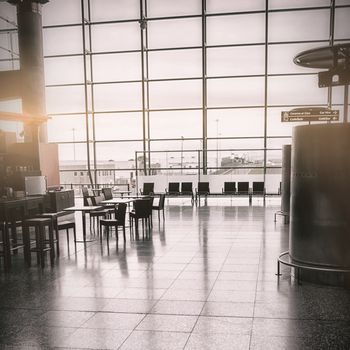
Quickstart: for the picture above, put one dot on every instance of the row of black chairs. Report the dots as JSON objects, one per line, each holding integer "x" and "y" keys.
{"x": 204, "y": 188}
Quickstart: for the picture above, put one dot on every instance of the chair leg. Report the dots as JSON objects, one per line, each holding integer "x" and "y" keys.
{"x": 163, "y": 215}
{"x": 26, "y": 241}
{"x": 107, "y": 235}
{"x": 52, "y": 248}
{"x": 116, "y": 235}
{"x": 55, "y": 228}
{"x": 75, "y": 236}
{"x": 42, "y": 245}
{"x": 67, "y": 232}
{"x": 124, "y": 233}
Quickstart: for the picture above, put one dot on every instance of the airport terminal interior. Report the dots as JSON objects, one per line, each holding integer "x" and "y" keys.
{"x": 174, "y": 174}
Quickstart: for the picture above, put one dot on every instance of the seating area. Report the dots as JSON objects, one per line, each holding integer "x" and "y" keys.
{"x": 230, "y": 189}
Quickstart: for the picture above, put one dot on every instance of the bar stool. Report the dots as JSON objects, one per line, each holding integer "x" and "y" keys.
{"x": 54, "y": 218}
{"x": 42, "y": 244}
{"x": 67, "y": 225}
{"x": 5, "y": 244}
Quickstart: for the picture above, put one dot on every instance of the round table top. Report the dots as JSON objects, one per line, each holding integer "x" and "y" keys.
{"x": 327, "y": 57}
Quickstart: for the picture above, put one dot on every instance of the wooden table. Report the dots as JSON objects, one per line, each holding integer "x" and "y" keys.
{"x": 83, "y": 209}
{"x": 118, "y": 201}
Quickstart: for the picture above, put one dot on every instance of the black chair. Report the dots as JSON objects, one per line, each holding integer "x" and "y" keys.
{"x": 96, "y": 215}
{"x": 187, "y": 190}
{"x": 142, "y": 210}
{"x": 160, "y": 206}
{"x": 203, "y": 188}
{"x": 107, "y": 193}
{"x": 119, "y": 220}
{"x": 258, "y": 188}
{"x": 87, "y": 193}
{"x": 148, "y": 188}
{"x": 174, "y": 188}
{"x": 229, "y": 188}
{"x": 243, "y": 188}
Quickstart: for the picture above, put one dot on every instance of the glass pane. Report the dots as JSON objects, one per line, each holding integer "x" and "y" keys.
{"x": 295, "y": 90}
{"x": 13, "y": 106}
{"x": 121, "y": 126}
{"x": 104, "y": 10}
{"x": 235, "y": 153}
{"x": 175, "y": 33}
{"x": 341, "y": 29}
{"x": 235, "y": 122}
{"x": 72, "y": 155}
{"x": 281, "y": 58}
{"x": 118, "y": 151}
{"x": 61, "y": 12}
{"x": 64, "y": 70}
{"x": 216, "y": 6}
{"x": 235, "y": 92}
{"x": 116, "y": 37}
{"x": 8, "y": 12}
{"x": 117, "y": 67}
{"x": 236, "y": 60}
{"x": 56, "y": 43}
{"x": 66, "y": 99}
{"x": 9, "y": 45}
{"x": 299, "y": 25}
{"x": 237, "y": 144}
{"x": 176, "y": 145}
{"x": 282, "y": 4}
{"x": 66, "y": 128}
{"x": 175, "y": 64}
{"x": 112, "y": 97}
{"x": 176, "y": 124}
{"x": 235, "y": 29}
{"x": 175, "y": 94}
{"x": 159, "y": 8}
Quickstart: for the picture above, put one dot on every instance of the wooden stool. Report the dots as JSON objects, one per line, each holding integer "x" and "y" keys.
{"x": 41, "y": 243}
{"x": 5, "y": 244}
{"x": 53, "y": 217}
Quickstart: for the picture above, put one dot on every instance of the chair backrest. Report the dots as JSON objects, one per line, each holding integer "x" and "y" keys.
{"x": 203, "y": 187}
{"x": 107, "y": 192}
{"x": 186, "y": 187}
{"x": 84, "y": 190}
{"x": 243, "y": 187}
{"x": 161, "y": 201}
{"x": 143, "y": 207}
{"x": 97, "y": 200}
{"x": 229, "y": 187}
{"x": 89, "y": 202}
{"x": 258, "y": 187}
{"x": 148, "y": 188}
{"x": 174, "y": 187}
{"x": 120, "y": 212}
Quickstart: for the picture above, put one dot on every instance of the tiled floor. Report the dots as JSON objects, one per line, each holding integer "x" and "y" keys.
{"x": 205, "y": 280}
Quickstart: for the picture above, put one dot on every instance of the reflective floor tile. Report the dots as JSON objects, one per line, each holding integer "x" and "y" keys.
{"x": 228, "y": 309}
{"x": 150, "y": 340}
{"x": 167, "y": 323}
{"x": 108, "y": 320}
{"x": 178, "y": 307}
{"x": 96, "y": 339}
{"x": 212, "y": 341}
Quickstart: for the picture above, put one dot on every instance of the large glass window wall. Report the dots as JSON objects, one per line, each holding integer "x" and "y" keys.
{"x": 206, "y": 79}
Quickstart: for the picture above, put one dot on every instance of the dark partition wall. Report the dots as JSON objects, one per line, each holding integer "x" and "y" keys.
{"x": 320, "y": 190}
{"x": 286, "y": 173}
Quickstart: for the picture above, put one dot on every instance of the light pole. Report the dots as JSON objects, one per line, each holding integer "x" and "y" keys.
{"x": 217, "y": 144}
{"x": 182, "y": 151}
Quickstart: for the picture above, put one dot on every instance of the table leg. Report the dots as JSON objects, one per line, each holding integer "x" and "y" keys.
{"x": 83, "y": 219}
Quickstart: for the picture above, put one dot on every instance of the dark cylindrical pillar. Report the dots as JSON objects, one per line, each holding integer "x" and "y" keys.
{"x": 320, "y": 188}
{"x": 30, "y": 44}
{"x": 286, "y": 173}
